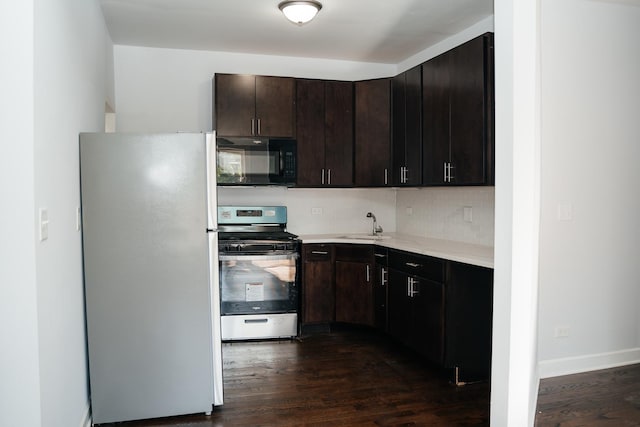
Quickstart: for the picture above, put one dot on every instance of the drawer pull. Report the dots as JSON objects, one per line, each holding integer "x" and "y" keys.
{"x": 256, "y": 320}
{"x": 413, "y": 264}
{"x": 320, "y": 252}
{"x": 380, "y": 255}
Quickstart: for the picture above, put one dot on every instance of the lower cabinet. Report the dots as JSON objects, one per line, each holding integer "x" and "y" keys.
{"x": 380, "y": 288}
{"x": 441, "y": 309}
{"x": 469, "y": 314}
{"x": 354, "y": 284}
{"x": 416, "y": 303}
{"x": 318, "y": 292}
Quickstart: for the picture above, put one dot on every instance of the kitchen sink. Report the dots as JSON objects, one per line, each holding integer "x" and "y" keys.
{"x": 365, "y": 236}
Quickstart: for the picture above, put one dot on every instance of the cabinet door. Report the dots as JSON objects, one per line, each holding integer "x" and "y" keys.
{"x": 338, "y": 116}
{"x": 380, "y": 286}
{"x": 275, "y": 108}
{"x": 354, "y": 292}
{"x": 469, "y": 305}
{"x": 407, "y": 127}
{"x": 468, "y": 116}
{"x": 234, "y": 104}
{"x": 435, "y": 134}
{"x": 310, "y": 131}
{"x": 428, "y": 321}
{"x": 373, "y": 133}
{"x": 399, "y": 307}
{"x": 318, "y": 285}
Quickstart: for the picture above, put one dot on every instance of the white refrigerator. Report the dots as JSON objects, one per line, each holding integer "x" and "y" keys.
{"x": 150, "y": 249}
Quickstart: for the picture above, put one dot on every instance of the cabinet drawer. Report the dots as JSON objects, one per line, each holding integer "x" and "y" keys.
{"x": 417, "y": 265}
{"x": 349, "y": 252}
{"x": 381, "y": 255}
{"x": 317, "y": 252}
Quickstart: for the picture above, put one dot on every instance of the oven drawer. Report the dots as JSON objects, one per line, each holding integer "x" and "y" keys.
{"x": 247, "y": 327}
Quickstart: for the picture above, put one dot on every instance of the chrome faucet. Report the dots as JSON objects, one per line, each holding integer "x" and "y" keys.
{"x": 376, "y": 228}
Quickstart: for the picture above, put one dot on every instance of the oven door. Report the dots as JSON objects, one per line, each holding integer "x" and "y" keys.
{"x": 258, "y": 283}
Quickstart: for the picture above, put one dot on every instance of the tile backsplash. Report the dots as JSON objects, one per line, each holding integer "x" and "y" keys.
{"x": 426, "y": 212}
{"x": 440, "y": 213}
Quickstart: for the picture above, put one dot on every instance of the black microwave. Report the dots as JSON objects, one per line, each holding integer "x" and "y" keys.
{"x": 256, "y": 161}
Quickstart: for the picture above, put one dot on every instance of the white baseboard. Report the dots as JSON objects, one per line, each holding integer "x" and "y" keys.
{"x": 592, "y": 362}
{"x": 86, "y": 418}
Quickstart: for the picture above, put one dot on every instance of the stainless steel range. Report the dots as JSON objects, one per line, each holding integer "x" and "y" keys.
{"x": 259, "y": 273}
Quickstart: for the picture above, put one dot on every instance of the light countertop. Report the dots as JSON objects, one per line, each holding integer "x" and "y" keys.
{"x": 467, "y": 253}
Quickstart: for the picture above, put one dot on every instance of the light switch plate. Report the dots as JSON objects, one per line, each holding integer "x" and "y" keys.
{"x": 565, "y": 211}
{"x": 44, "y": 224}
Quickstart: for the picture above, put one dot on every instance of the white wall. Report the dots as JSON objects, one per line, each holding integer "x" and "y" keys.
{"x": 589, "y": 269}
{"x": 19, "y": 371}
{"x": 514, "y": 377}
{"x": 55, "y": 87}
{"x": 167, "y": 90}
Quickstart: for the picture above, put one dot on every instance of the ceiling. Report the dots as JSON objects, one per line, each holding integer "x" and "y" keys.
{"x": 383, "y": 31}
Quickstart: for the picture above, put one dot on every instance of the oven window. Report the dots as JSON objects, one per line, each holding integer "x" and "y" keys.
{"x": 258, "y": 283}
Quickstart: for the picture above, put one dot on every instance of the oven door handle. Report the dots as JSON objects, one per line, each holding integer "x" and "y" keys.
{"x": 258, "y": 257}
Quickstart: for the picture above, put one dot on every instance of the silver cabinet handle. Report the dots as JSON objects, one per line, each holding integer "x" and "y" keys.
{"x": 259, "y": 130}
{"x": 412, "y": 264}
{"x": 320, "y": 252}
{"x": 368, "y": 274}
{"x": 380, "y": 255}
{"x": 322, "y": 181}
{"x": 409, "y": 286}
{"x": 386, "y": 176}
{"x": 384, "y": 277}
{"x": 329, "y": 177}
{"x": 253, "y": 126}
{"x": 451, "y": 177}
{"x": 445, "y": 172}
{"x": 415, "y": 288}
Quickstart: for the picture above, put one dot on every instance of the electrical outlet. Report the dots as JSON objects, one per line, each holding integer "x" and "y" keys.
{"x": 468, "y": 214}
{"x": 409, "y": 210}
{"x": 316, "y": 211}
{"x": 561, "y": 332}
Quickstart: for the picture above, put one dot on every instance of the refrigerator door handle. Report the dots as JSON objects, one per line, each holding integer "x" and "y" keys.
{"x": 216, "y": 329}
{"x": 212, "y": 199}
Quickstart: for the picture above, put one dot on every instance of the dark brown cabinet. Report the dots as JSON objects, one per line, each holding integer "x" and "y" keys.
{"x": 324, "y": 131}
{"x": 373, "y": 133}
{"x": 354, "y": 283}
{"x": 469, "y": 313}
{"x": 380, "y": 288}
{"x": 417, "y": 303}
{"x": 318, "y": 292}
{"x": 247, "y": 105}
{"x": 406, "y": 138}
{"x": 457, "y": 96}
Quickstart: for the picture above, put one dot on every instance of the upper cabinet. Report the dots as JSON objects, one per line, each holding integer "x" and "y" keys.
{"x": 373, "y": 133}
{"x": 324, "y": 133}
{"x": 457, "y": 95}
{"x": 406, "y": 128}
{"x": 247, "y": 105}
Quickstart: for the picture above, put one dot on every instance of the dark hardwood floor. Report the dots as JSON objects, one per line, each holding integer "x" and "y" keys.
{"x": 609, "y": 397}
{"x": 346, "y": 378}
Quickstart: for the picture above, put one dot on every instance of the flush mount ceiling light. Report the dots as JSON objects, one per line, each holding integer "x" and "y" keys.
{"x": 300, "y": 12}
